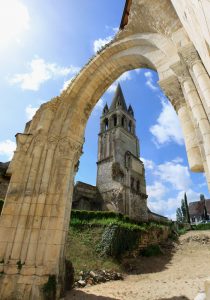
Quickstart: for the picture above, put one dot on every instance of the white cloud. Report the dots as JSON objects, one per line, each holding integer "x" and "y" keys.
{"x": 7, "y": 148}
{"x": 30, "y": 111}
{"x": 98, "y": 44}
{"x": 149, "y": 81}
{"x": 175, "y": 174}
{"x": 167, "y": 128}
{"x": 157, "y": 190}
{"x": 167, "y": 207}
{"x": 125, "y": 76}
{"x": 66, "y": 84}
{"x": 40, "y": 72}
{"x": 170, "y": 180}
{"x": 148, "y": 164}
{"x": 14, "y": 20}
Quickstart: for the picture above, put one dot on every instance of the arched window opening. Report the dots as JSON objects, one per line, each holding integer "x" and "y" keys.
{"x": 132, "y": 182}
{"x": 123, "y": 121}
{"x": 115, "y": 120}
{"x": 130, "y": 126}
{"x": 106, "y": 124}
{"x": 137, "y": 186}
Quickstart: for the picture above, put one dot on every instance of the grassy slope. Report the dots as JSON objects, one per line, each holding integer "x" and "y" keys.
{"x": 82, "y": 250}
{"x": 86, "y": 232}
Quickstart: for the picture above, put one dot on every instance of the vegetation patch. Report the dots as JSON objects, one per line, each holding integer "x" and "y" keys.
{"x": 98, "y": 240}
{"x": 114, "y": 243}
{"x": 201, "y": 226}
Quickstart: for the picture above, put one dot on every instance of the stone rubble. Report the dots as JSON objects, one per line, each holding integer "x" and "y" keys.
{"x": 88, "y": 278}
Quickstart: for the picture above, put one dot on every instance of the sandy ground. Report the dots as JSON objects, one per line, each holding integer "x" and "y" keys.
{"x": 178, "y": 274}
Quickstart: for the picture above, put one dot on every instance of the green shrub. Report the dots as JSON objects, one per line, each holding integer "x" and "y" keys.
{"x": 201, "y": 226}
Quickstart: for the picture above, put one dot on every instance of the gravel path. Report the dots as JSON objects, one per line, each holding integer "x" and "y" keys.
{"x": 178, "y": 274}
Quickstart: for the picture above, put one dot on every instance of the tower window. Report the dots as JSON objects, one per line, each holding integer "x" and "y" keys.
{"x": 132, "y": 182}
{"x": 106, "y": 124}
{"x": 123, "y": 121}
{"x": 130, "y": 126}
{"x": 115, "y": 120}
{"x": 137, "y": 185}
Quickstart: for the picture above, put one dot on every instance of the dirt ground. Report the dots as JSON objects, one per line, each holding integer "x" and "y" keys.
{"x": 177, "y": 274}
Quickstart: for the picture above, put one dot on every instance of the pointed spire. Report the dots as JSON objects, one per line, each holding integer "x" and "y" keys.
{"x": 118, "y": 100}
{"x": 130, "y": 110}
{"x": 106, "y": 109}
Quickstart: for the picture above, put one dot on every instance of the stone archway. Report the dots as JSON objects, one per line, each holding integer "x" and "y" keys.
{"x": 35, "y": 217}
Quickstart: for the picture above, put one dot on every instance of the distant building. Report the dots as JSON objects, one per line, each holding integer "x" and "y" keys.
{"x": 197, "y": 210}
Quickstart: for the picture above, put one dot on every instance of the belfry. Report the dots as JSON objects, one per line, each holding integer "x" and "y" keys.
{"x": 120, "y": 173}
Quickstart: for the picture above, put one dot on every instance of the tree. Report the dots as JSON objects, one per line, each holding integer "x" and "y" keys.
{"x": 187, "y": 208}
{"x": 182, "y": 213}
{"x": 179, "y": 216}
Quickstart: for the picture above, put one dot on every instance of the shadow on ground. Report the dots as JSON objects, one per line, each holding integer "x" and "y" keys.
{"x": 80, "y": 295}
{"x": 175, "y": 298}
{"x": 152, "y": 264}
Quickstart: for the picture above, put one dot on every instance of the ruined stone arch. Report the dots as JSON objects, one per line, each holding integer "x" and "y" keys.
{"x": 36, "y": 213}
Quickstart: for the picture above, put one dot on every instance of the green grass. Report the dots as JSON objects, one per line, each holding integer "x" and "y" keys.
{"x": 201, "y": 226}
{"x": 96, "y": 238}
{"x": 82, "y": 250}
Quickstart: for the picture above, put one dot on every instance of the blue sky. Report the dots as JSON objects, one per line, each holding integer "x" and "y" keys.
{"x": 43, "y": 44}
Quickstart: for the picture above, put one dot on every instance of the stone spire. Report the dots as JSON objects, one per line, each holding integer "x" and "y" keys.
{"x": 118, "y": 100}
{"x": 130, "y": 110}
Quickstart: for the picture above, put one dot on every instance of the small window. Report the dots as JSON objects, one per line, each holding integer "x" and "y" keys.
{"x": 115, "y": 120}
{"x": 137, "y": 185}
{"x": 106, "y": 124}
{"x": 123, "y": 121}
{"x": 132, "y": 182}
{"x": 130, "y": 126}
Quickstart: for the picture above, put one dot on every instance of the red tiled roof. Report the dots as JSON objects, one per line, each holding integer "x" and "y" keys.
{"x": 197, "y": 208}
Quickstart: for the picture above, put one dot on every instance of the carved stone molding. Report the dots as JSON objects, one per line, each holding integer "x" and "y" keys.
{"x": 190, "y": 55}
{"x": 181, "y": 71}
{"x": 67, "y": 147}
{"x": 172, "y": 88}
{"x": 23, "y": 141}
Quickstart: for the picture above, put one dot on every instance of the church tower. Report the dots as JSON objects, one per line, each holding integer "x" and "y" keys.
{"x": 120, "y": 172}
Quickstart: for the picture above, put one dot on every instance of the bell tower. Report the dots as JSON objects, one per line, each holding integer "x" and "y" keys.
{"x": 120, "y": 172}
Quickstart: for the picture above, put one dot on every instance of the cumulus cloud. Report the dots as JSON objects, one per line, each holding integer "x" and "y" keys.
{"x": 7, "y": 148}
{"x": 148, "y": 164}
{"x": 167, "y": 128}
{"x": 14, "y": 20}
{"x": 30, "y": 111}
{"x": 99, "y": 43}
{"x": 40, "y": 72}
{"x": 157, "y": 190}
{"x": 175, "y": 174}
{"x": 150, "y": 81}
{"x": 169, "y": 181}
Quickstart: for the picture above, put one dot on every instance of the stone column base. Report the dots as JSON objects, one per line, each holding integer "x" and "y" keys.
{"x": 21, "y": 287}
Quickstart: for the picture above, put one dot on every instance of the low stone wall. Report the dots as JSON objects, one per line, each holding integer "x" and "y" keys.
{"x": 155, "y": 236}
